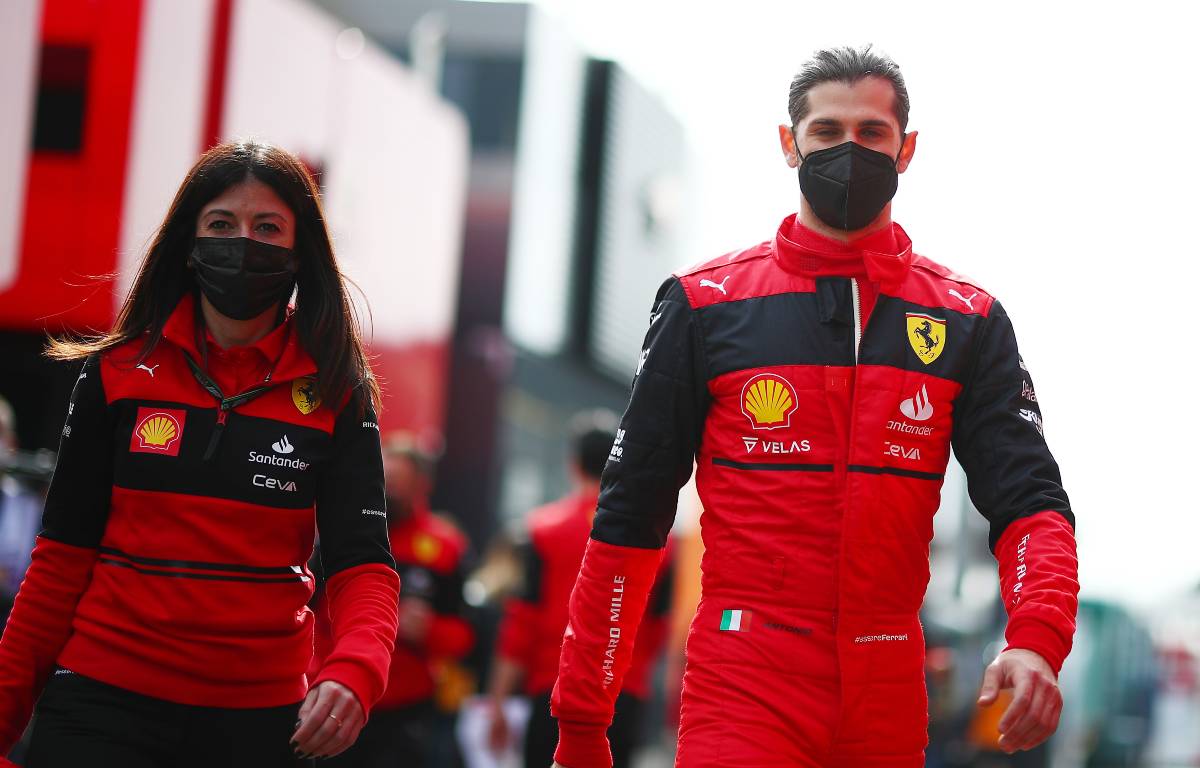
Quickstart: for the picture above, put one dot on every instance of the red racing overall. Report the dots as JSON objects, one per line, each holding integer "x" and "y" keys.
{"x": 819, "y": 387}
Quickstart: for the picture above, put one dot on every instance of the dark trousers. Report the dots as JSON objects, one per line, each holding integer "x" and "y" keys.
{"x": 391, "y": 738}
{"x": 81, "y": 721}
{"x": 541, "y": 735}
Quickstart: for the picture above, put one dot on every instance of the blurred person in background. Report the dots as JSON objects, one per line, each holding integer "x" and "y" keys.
{"x": 163, "y": 620}
{"x": 430, "y": 554}
{"x": 534, "y": 620}
{"x": 687, "y": 555}
{"x": 20, "y": 513}
{"x": 819, "y": 380}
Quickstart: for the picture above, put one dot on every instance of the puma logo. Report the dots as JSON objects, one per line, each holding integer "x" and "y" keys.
{"x": 964, "y": 299}
{"x": 148, "y": 370}
{"x": 706, "y": 283}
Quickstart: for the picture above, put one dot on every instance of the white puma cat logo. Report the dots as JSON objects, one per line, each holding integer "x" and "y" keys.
{"x": 964, "y": 299}
{"x": 148, "y": 370}
{"x": 706, "y": 283}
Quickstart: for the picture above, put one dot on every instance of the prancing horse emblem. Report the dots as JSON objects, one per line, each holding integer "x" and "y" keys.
{"x": 926, "y": 336}
{"x": 304, "y": 395}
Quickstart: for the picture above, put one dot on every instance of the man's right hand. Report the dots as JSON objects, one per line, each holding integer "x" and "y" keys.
{"x": 1032, "y": 715}
{"x": 499, "y": 734}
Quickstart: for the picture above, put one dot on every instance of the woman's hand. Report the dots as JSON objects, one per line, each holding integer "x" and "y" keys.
{"x": 330, "y": 720}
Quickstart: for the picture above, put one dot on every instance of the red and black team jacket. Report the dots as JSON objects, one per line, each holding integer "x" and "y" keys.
{"x": 820, "y": 389}
{"x": 429, "y": 553}
{"x": 532, "y": 628}
{"x": 172, "y": 560}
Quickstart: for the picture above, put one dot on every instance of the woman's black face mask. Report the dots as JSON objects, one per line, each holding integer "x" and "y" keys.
{"x": 241, "y": 277}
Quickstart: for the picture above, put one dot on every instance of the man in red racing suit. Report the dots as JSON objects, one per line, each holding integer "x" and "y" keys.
{"x": 819, "y": 381}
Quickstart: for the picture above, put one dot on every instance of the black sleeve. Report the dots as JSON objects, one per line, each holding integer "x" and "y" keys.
{"x": 77, "y": 503}
{"x": 351, "y": 516}
{"x": 531, "y": 573}
{"x": 998, "y": 434}
{"x": 660, "y": 432}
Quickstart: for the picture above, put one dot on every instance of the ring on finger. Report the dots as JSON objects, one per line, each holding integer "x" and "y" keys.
{"x": 336, "y": 720}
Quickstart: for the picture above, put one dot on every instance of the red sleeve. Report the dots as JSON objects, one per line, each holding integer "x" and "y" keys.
{"x": 607, "y": 604}
{"x": 515, "y": 637}
{"x": 1039, "y": 583}
{"x": 37, "y": 629}
{"x": 449, "y": 637}
{"x": 363, "y": 605}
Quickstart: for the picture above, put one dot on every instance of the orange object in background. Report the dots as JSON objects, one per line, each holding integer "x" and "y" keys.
{"x": 689, "y": 551}
{"x": 984, "y": 731}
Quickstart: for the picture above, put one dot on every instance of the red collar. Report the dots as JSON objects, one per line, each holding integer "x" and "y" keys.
{"x": 280, "y": 344}
{"x": 883, "y": 257}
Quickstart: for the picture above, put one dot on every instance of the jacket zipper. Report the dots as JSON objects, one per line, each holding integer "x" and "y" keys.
{"x": 225, "y": 404}
{"x": 856, "y": 300}
{"x": 856, "y": 304}
{"x": 218, "y": 428}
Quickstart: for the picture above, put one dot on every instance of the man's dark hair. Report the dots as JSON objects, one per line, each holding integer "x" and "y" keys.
{"x": 592, "y": 436}
{"x": 846, "y": 65}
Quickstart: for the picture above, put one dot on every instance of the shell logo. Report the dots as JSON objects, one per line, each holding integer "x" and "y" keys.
{"x": 768, "y": 401}
{"x": 158, "y": 430}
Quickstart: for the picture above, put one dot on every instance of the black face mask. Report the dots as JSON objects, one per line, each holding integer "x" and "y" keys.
{"x": 847, "y": 185}
{"x": 242, "y": 278}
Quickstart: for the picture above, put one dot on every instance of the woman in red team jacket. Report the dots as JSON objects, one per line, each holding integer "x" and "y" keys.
{"x": 163, "y": 619}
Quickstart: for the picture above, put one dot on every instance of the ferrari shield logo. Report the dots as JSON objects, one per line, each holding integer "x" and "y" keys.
{"x": 304, "y": 395}
{"x": 927, "y": 335}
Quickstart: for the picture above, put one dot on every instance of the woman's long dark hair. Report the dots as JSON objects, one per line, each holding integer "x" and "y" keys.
{"x": 324, "y": 319}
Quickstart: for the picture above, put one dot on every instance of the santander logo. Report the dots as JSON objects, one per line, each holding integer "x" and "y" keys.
{"x": 918, "y": 407}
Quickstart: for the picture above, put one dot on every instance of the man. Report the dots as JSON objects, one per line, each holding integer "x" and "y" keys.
{"x": 429, "y": 552}
{"x": 819, "y": 380}
{"x": 533, "y": 623}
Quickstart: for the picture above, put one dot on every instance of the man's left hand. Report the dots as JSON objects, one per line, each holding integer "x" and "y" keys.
{"x": 1032, "y": 716}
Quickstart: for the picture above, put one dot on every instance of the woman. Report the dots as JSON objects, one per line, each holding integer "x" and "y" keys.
{"x": 164, "y": 612}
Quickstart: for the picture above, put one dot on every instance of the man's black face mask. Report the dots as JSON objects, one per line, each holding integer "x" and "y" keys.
{"x": 848, "y": 185}
{"x": 242, "y": 278}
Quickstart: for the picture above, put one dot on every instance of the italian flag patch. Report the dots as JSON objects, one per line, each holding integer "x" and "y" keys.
{"x": 736, "y": 621}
